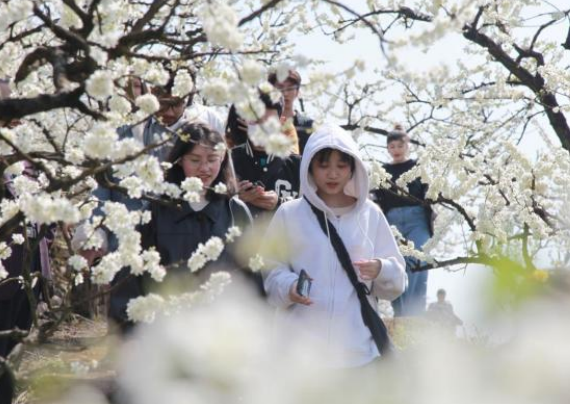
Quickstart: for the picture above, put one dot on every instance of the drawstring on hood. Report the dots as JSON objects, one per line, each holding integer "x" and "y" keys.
{"x": 334, "y": 137}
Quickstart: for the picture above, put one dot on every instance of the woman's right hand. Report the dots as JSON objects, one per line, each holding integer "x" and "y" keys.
{"x": 297, "y": 298}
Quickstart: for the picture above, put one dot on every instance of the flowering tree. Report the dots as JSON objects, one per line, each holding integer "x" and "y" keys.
{"x": 71, "y": 60}
{"x": 69, "y": 64}
{"x": 469, "y": 120}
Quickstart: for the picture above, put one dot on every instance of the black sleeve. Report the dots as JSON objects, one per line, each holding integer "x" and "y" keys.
{"x": 126, "y": 286}
{"x": 148, "y": 230}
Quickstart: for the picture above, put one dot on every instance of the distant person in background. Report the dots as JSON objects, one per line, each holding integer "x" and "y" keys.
{"x": 290, "y": 89}
{"x": 441, "y": 312}
{"x": 411, "y": 217}
{"x": 15, "y": 308}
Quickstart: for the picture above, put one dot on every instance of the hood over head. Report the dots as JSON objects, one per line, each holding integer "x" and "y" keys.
{"x": 334, "y": 137}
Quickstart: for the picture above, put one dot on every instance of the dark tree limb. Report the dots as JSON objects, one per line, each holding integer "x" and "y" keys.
{"x": 535, "y": 83}
{"x": 258, "y": 12}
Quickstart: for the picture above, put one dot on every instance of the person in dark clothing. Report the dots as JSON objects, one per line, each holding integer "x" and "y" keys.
{"x": 265, "y": 181}
{"x": 411, "y": 216}
{"x": 177, "y": 228}
{"x": 290, "y": 89}
{"x": 15, "y": 306}
{"x": 236, "y": 129}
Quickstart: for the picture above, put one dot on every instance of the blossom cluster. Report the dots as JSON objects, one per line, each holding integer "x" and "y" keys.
{"x": 210, "y": 251}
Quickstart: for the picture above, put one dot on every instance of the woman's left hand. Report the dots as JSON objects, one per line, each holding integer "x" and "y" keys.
{"x": 267, "y": 201}
{"x": 369, "y": 269}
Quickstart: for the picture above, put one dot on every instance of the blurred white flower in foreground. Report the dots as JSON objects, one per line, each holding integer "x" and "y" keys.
{"x": 221, "y": 353}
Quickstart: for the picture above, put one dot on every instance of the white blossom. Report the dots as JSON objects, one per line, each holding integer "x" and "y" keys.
{"x": 192, "y": 197}
{"x": 78, "y": 279}
{"x": 197, "y": 261}
{"x": 119, "y": 104}
{"x": 8, "y": 208}
{"x": 148, "y": 103}
{"x": 220, "y": 24}
{"x": 152, "y": 265}
{"x": 278, "y": 144}
{"x": 104, "y": 272}
{"x": 220, "y": 188}
{"x": 378, "y": 177}
{"x": 15, "y": 169}
{"x": 18, "y": 239}
{"x": 134, "y": 186}
{"x": 75, "y": 156}
{"x": 183, "y": 84}
{"x": 100, "y": 84}
{"x": 44, "y": 208}
{"x": 5, "y": 251}
{"x": 213, "y": 248}
{"x": 210, "y": 251}
{"x": 18, "y": 10}
{"x": 233, "y": 233}
{"x": 252, "y": 72}
{"x": 216, "y": 91}
{"x": 77, "y": 262}
{"x": 25, "y": 185}
{"x": 256, "y": 263}
{"x": 100, "y": 141}
{"x": 144, "y": 308}
{"x": 192, "y": 184}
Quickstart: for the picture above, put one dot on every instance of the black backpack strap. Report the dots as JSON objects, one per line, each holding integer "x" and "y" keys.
{"x": 370, "y": 317}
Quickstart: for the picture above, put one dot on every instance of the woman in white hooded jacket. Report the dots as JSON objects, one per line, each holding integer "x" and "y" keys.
{"x": 335, "y": 182}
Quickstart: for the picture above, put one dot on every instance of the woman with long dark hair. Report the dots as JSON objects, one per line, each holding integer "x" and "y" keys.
{"x": 178, "y": 227}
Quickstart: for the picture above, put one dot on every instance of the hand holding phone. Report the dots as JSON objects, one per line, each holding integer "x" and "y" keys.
{"x": 248, "y": 191}
{"x": 304, "y": 284}
{"x": 300, "y": 286}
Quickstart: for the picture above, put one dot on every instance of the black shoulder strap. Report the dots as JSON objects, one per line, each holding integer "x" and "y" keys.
{"x": 370, "y": 317}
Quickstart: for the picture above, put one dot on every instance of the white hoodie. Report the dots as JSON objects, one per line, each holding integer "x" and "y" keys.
{"x": 333, "y": 320}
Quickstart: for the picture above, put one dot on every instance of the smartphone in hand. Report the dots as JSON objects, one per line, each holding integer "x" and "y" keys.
{"x": 304, "y": 284}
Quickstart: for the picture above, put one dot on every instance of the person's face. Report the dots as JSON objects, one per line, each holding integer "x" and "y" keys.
{"x": 331, "y": 176}
{"x": 289, "y": 89}
{"x": 171, "y": 110}
{"x": 203, "y": 162}
{"x": 136, "y": 87}
{"x": 441, "y": 297}
{"x": 398, "y": 150}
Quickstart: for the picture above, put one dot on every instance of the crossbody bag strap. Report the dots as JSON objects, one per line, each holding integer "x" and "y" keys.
{"x": 370, "y": 317}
